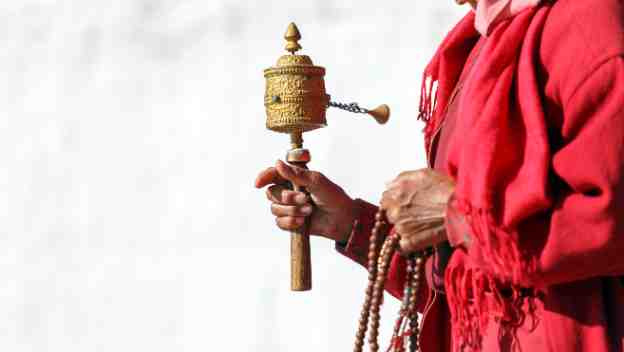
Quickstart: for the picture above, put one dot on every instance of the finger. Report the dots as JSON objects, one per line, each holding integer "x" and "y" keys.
{"x": 409, "y": 245}
{"x": 397, "y": 186}
{"x": 393, "y": 183}
{"x": 282, "y": 195}
{"x": 299, "y": 176}
{"x": 387, "y": 200}
{"x": 393, "y": 193}
{"x": 407, "y": 174}
{"x": 280, "y": 210}
{"x": 410, "y": 227}
{"x": 389, "y": 204}
{"x": 274, "y": 193}
{"x": 412, "y": 244}
{"x": 390, "y": 183}
{"x": 267, "y": 177}
{"x": 422, "y": 240}
{"x": 392, "y": 214}
{"x": 414, "y": 174}
{"x": 289, "y": 223}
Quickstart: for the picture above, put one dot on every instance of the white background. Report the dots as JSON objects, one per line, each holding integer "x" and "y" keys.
{"x": 130, "y": 135}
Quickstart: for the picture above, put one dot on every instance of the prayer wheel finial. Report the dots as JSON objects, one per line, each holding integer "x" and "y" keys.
{"x": 292, "y": 37}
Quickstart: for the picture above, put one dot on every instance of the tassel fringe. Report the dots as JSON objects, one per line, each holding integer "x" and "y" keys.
{"x": 476, "y": 295}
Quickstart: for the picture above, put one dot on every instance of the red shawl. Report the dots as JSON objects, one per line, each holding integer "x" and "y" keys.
{"x": 545, "y": 210}
{"x": 503, "y": 152}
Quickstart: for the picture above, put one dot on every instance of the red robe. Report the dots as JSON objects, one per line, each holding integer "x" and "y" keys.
{"x": 540, "y": 190}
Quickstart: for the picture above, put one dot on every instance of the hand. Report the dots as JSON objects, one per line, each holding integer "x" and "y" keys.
{"x": 415, "y": 202}
{"x": 333, "y": 211}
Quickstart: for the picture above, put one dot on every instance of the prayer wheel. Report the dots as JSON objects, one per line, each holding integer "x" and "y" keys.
{"x": 296, "y": 101}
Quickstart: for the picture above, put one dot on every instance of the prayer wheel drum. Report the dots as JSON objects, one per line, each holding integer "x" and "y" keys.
{"x": 295, "y": 97}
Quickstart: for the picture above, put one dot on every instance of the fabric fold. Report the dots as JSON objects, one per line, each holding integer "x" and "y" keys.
{"x": 495, "y": 164}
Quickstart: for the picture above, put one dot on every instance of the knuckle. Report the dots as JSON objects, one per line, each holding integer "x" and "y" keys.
{"x": 269, "y": 194}
{"x": 284, "y": 196}
{"x": 265, "y": 172}
{"x": 291, "y": 222}
{"x": 300, "y": 198}
{"x": 403, "y": 174}
{"x": 400, "y": 228}
{"x": 401, "y": 184}
{"x": 404, "y": 243}
{"x": 296, "y": 211}
{"x": 404, "y": 208}
{"x": 315, "y": 177}
{"x": 275, "y": 209}
{"x": 274, "y": 192}
{"x": 386, "y": 199}
{"x": 392, "y": 215}
{"x": 291, "y": 211}
{"x": 284, "y": 223}
{"x": 297, "y": 171}
{"x": 288, "y": 197}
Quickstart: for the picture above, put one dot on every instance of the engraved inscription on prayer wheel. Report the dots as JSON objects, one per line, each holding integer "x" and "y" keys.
{"x": 295, "y": 98}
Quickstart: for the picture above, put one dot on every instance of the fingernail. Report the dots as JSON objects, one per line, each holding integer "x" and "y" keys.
{"x": 299, "y": 221}
{"x": 301, "y": 198}
{"x": 306, "y": 210}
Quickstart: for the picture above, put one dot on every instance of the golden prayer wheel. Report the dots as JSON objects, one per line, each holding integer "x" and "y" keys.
{"x": 296, "y": 101}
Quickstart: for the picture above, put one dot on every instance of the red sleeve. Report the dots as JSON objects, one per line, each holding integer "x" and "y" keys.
{"x": 586, "y": 233}
{"x": 356, "y": 249}
{"x": 581, "y": 234}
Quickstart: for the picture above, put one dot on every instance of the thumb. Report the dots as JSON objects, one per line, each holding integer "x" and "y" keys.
{"x": 298, "y": 175}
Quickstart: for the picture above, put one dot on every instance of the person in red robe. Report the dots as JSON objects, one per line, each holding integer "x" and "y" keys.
{"x": 523, "y": 199}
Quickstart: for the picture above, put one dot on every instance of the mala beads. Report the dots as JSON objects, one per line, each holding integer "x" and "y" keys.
{"x": 406, "y": 326}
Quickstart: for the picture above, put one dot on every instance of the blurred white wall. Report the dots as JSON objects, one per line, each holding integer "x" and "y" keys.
{"x": 130, "y": 135}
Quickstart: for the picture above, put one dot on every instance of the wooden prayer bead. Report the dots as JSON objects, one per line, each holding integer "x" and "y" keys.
{"x": 378, "y": 265}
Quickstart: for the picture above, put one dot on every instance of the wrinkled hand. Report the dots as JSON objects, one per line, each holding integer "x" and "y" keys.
{"x": 331, "y": 215}
{"x": 415, "y": 202}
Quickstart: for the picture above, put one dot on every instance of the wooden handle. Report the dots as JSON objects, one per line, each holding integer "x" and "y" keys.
{"x": 300, "y": 260}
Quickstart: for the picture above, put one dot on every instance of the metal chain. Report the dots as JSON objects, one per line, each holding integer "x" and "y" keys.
{"x": 351, "y": 107}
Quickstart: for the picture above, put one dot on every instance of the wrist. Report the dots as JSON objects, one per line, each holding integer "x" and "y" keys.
{"x": 344, "y": 232}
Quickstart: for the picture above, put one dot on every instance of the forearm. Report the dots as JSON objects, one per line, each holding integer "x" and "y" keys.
{"x": 356, "y": 246}
{"x": 356, "y": 249}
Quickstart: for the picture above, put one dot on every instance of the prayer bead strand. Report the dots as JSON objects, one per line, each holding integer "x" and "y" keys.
{"x": 417, "y": 264}
{"x": 372, "y": 275}
{"x": 378, "y": 266}
{"x": 387, "y": 251}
